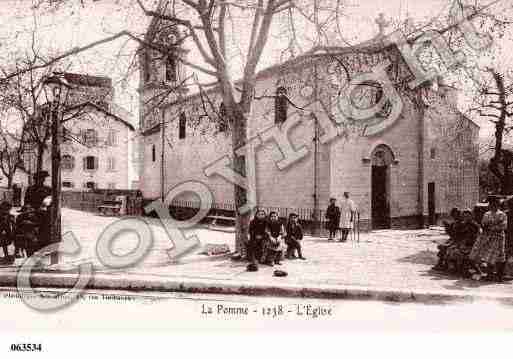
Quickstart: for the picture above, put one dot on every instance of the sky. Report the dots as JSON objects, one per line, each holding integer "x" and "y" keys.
{"x": 76, "y": 26}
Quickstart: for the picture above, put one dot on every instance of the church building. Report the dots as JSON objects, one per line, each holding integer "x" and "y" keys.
{"x": 407, "y": 174}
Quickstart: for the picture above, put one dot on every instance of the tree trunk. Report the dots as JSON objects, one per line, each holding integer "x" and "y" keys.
{"x": 9, "y": 180}
{"x": 500, "y": 156}
{"x": 239, "y": 139}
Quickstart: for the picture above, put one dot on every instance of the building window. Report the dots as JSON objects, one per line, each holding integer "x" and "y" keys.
{"x": 90, "y": 163}
{"x": 181, "y": 125}
{"x": 171, "y": 69}
{"x": 90, "y": 185}
{"x": 112, "y": 138}
{"x": 111, "y": 164}
{"x": 281, "y": 104}
{"x": 111, "y": 185}
{"x": 90, "y": 137}
{"x": 223, "y": 118}
{"x": 68, "y": 163}
{"x": 66, "y": 135}
{"x": 432, "y": 153}
{"x": 153, "y": 153}
{"x": 67, "y": 184}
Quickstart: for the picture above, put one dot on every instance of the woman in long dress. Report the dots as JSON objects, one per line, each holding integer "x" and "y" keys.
{"x": 489, "y": 249}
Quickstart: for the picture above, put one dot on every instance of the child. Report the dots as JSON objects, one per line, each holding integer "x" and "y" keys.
{"x": 273, "y": 248}
{"x": 6, "y": 227}
{"x": 293, "y": 238}
{"x": 257, "y": 236}
{"x": 333, "y": 217}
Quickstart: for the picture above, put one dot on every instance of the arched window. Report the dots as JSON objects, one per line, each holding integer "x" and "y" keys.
{"x": 281, "y": 104}
{"x": 182, "y": 125}
{"x": 382, "y": 156}
{"x": 223, "y": 118}
{"x": 68, "y": 162}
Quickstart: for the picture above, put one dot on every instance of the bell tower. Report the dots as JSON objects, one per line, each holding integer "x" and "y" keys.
{"x": 162, "y": 70}
{"x": 173, "y": 70}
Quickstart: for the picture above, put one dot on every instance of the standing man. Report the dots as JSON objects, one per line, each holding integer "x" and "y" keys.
{"x": 333, "y": 217}
{"x": 38, "y": 191}
{"x": 347, "y": 214}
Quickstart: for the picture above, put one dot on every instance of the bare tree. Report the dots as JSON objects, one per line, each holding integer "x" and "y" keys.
{"x": 11, "y": 155}
{"x": 493, "y": 102}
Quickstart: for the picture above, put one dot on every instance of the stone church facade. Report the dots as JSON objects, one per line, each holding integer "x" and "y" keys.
{"x": 406, "y": 175}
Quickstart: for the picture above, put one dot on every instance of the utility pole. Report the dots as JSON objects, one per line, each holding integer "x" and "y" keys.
{"x": 162, "y": 169}
{"x": 316, "y": 216}
{"x": 316, "y": 231}
{"x": 55, "y": 227}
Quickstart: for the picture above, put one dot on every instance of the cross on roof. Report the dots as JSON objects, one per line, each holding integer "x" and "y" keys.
{"x": 382, "y": 23}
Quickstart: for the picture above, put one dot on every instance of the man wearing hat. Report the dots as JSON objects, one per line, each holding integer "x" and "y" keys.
{"x": 38, "y": 191}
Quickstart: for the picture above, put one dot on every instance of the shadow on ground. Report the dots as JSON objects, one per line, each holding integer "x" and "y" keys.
{"x": 425, "y": 257}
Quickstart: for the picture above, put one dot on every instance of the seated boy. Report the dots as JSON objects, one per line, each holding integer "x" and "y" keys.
{"x": 293, "y": 237}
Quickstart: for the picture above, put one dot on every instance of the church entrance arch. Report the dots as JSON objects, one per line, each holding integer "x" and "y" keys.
{"x": 382, "y": 159}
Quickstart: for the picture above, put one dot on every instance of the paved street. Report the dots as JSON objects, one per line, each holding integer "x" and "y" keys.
{"x": 382, "y": 259}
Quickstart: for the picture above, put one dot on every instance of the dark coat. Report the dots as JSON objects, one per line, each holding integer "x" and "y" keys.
{"x": 36, "y": 194}
{"x": 333, "y": 216}
{"x": 294, "y": 232}
{"x": 275, "y": 228}
{"x": 258, "y": 228}
{"x": 6, "y": 229}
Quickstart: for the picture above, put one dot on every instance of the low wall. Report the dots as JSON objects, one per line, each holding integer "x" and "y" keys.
{"x": 89, "y": 201}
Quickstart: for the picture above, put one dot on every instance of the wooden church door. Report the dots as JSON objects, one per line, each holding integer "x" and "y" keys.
{"x": 382, "y": 158}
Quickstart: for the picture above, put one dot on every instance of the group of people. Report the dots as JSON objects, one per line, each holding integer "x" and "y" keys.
{"x": 29, "y": 231}
{"x": 340, "y": 217}
{"x": 477, "y": 250}
{"x": 270, "y": 241}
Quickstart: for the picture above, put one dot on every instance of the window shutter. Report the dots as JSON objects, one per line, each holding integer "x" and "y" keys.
{"x": 84, "y": 163}
{"x": 96, "y": 163}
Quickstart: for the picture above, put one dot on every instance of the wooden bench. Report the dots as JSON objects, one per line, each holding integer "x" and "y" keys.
{"x": 223, "y": 218}
{"x": 116, "y": 207}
